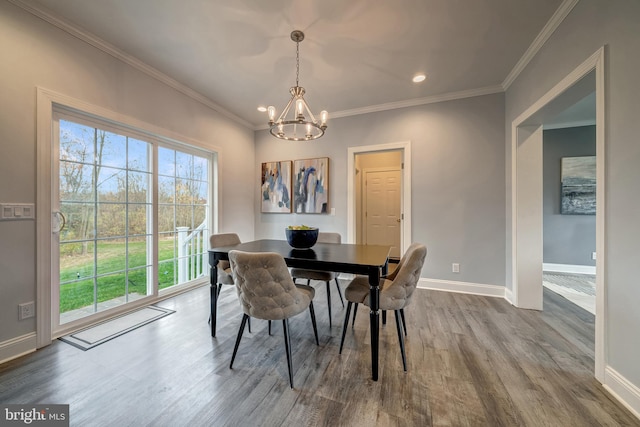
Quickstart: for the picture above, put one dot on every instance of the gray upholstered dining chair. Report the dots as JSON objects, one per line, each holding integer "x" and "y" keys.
{"x": 323, "y": 276}
{"x": 266, "y": 291}
{"x": 395, "y": 291}
{"x": 224, "y": 269}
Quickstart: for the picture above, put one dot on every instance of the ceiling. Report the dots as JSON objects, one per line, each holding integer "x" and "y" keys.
{"x": 357, "y": 56}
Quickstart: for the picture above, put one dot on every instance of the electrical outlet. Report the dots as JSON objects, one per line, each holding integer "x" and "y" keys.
{"x": 26, "y": 310}
{"x": 593, "y": 255}
{"x": 455, "y": 267}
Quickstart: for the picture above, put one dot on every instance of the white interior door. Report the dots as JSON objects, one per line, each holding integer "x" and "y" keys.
{"x": 382, "y": 212}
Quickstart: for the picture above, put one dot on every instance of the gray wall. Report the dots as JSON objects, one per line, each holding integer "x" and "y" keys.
{"x": 591, "y": 25}
{"x": 34, "y": 53}
{"x": 457, "y": 176}
{"x": 568, "y": 239}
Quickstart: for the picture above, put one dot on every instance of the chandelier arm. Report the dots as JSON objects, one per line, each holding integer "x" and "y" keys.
{"x": 284, "y": 113}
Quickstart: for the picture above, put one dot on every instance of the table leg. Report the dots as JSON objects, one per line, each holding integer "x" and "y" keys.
{"x": 374, "y": 318}
{"x": 214, "y": 296}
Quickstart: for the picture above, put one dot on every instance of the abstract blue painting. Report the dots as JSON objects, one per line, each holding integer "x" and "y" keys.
{"x": 275, "y": 191}
{"x": 311, "y": 185}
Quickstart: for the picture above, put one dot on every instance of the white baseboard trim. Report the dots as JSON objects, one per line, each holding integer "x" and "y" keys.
{"x": 462, "y": 287}
{"x": 16, "y": 347}
{"x": 569, "y": 268}
{"x": 623, "y": 390}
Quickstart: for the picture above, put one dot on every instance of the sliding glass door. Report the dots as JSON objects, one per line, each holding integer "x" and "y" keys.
{"x": 132, "y": 215}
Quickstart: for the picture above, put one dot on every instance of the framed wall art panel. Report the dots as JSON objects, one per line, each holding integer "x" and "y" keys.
{"x": 275, "y": 190}
{"x": 311, "y": 185}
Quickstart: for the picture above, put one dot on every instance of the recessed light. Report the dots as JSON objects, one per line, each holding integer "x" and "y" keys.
{"x": 262, "y": 109}
{"x": 419, "y": 78}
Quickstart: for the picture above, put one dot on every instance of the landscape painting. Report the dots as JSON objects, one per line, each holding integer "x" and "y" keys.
{"x": 578, "y": 186}
{"x": 275, "y": 192}
{"x": 311, "y": 185}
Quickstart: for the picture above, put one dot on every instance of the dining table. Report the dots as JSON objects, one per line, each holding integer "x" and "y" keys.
{"x": 359, "y": 259}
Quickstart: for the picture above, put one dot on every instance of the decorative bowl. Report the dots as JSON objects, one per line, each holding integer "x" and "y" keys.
{"x": 303, "y": 238}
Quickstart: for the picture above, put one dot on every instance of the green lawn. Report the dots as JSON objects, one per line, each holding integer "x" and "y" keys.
{"x": 79, "y": 293}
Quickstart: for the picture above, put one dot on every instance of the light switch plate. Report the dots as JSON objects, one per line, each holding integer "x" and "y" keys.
{"x": 16, "y": 211}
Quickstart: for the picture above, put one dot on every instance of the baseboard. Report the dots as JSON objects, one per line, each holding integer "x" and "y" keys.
{"x": 623, "y": 390}
{"x": 569, "y": 268}
{"x": 462, "y": 287}
{"x": 16, "y": 347}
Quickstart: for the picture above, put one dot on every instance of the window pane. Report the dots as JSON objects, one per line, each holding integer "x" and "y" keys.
{"x": 166, "y": 161}
{"x": 138, "y": 155}
{"x": 111, "y": 149}
{"x": 111, "y": 291}
{"x": 201, "y": 194}
{"x": 111, "y": 219}
{"x": 166, "y": 246}
{"x": 165, "y": 274}
{"x": 76, "y": 181}
{"x": 112, "y": 184}
{"x": 76, "y": 142}
{"x": 137, "y": 223}
{"x": 184, "y": 216}
{"x": 137, "y": 283}
{"x": 138, "y": 185}
{"x": 79, "y": 221}
{"x": 166, "y": 189}
{"x": 76, "y": 261}
{"x": 184, "y": 191}
{"x": 184, "y": 165}
{"x": 137, "y": 252}
{"x": 111, "y": 256}
{"x": 166, "y": 218}
{"x": 200, "y": 168}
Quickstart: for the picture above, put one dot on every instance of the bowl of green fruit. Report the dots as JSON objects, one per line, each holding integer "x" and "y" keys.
{"x": 301, "y": 236}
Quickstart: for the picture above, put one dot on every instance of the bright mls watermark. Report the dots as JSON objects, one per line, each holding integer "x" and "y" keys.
{"x": 34, "y": 415}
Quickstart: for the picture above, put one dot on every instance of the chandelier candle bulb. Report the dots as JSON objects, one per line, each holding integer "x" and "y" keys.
{"x": 272, "y": 113}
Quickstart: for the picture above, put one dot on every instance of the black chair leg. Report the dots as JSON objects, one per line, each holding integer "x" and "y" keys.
{"x": 384, "y": 317}
{"x": 287, "y": 347}
{"x": 346, "y": 323}
{"x": 401, "y": 338}
{"x": 249, "y": 324}
{"x": 404, "y": 323}
{"x": 355, "y": 311}
{"x": 339, "y": 292}
{"x": 269, "y": 327}
{"x": 235, "y": 349}
{"x": 312, "y": 312}
{"x": 329, "y": 302}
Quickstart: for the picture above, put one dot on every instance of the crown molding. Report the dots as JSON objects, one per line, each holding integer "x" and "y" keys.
{"x": 451, "y": 96}
{"x": 110, "y": 49}
{"x": 546, "y": 32}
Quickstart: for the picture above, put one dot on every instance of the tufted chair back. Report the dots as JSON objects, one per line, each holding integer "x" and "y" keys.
{"x": 399, "y": 286}
{"x": 265, "y": 287}
{"x": 223, "y": 239}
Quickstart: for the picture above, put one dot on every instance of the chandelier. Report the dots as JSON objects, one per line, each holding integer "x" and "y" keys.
{"x": 301, "y": 124}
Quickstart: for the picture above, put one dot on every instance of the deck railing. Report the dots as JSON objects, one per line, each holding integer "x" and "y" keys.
{"x": 191, "y": 249}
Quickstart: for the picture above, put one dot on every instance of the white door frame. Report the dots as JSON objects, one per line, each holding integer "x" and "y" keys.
{"x": 526, "y": 292}
{"x": 405, "y": 197}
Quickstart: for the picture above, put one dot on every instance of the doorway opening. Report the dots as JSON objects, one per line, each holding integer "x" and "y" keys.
{"x": 527, "y": 192}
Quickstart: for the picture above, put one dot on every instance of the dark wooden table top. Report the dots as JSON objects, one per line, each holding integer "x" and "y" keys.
{"x": 342, "y": 257}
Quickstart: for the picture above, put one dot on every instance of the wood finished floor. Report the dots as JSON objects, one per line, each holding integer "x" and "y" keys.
{"x": 473, "y": 361}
